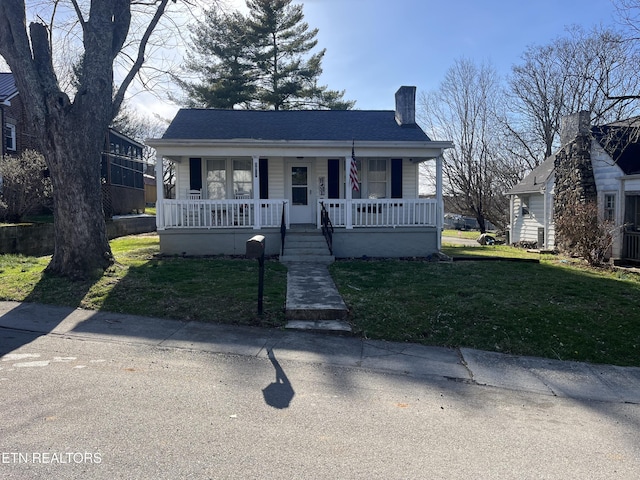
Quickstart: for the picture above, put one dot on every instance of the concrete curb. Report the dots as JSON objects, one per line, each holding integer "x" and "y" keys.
{"x": 21, "y": 323}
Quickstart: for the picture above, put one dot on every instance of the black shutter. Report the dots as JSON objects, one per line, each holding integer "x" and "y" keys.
{"x": 264, "y": 178}
{"x": 334, "y": 178}
{"x": 195, "y": 174}
{"x": 396, "y": 178}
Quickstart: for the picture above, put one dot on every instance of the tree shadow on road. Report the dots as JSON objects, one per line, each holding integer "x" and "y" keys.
{"x": 49, "y": 303}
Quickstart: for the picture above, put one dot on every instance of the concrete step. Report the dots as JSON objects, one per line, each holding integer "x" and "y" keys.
{"x": 323, "y": 326}
{"x": 306, "y": 244}
{"x": 314, "y": 244}
{"x": 317, "y": 313}
{"x": 319, "y": 259}
{"x": 306, "y": 250}
{"x": 305, "y": 241}
{"x": 310, "y": 228}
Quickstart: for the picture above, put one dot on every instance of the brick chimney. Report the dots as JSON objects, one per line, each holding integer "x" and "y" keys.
{"x": 406, "y": 106}
{"x": 573, "y": 125}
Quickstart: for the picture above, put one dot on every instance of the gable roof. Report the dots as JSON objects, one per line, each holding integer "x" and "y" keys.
{"x": 8, "y": 87}
{"x": 536, "y": 179}
{"x": 322, "y": 125}
{"x": 621, "y": 140}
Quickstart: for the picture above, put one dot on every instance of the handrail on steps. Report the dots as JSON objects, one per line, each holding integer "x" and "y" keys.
{"x": 283, "y": 229}
{"x": 327, "y": 226}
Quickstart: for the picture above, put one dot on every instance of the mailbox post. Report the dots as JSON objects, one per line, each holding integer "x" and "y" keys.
{"x": 255, "y": 249}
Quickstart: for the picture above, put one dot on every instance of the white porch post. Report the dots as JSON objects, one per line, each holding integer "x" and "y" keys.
{"x": 348, "y": 193}
{"x": 439, "y": 200}
{"x": 159, "y": 193}
{"x": 545, "y": 222}
{"x": 256, "y": 192}
{"x": 512, "y": 219}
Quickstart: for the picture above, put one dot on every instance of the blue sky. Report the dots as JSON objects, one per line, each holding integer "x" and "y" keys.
{"x": 375, "y": 46}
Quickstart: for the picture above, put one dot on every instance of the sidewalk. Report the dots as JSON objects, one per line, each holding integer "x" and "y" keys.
{"x": 21, "y": 323}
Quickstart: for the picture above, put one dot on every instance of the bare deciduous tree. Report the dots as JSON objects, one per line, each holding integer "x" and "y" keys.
{"x": 70, "y": 119}
{"x": 463, "y": 110}
{"x": 579, "y": 71}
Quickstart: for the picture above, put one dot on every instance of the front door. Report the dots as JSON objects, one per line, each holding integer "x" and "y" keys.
{"x": 301, "y": 193}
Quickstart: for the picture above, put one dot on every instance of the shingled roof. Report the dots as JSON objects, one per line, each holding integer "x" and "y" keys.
{"x": 312, "y": 125}
{"x": 621, "y": 140}
{"x": 7, "y": 86}
{"x": 536, "y": 179}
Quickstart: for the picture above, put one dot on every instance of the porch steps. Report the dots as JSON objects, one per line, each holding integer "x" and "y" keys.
{"x": 306, "y": 244}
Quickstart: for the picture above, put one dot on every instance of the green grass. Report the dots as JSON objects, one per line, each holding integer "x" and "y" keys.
{"x": 211, "y": 289}
{"x": 500, "y": 251}
{"x": 467, "y": 234}
{"x": 552, "y": 309}
{"x": 556, "y": 308}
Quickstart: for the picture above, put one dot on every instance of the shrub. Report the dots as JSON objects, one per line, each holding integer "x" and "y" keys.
{"x": 24, "y": 185}
{"x": 581, "y": 231}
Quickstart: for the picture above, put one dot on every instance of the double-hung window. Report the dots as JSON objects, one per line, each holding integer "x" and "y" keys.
{"x": 10, "y": 137}
{"x": 242, "y": 181}
{"x": 610, "y": 207}
{"x": 216, "y": 179}
{"x": 377, "y": 178}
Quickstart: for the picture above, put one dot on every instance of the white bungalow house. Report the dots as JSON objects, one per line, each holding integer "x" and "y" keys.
{"x": 595, "y": 162}
{"x": 242, "y": 172}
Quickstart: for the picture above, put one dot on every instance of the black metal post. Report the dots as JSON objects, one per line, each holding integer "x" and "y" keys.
{"x": 255, "y": 249}
{"x": 260, "y": 283}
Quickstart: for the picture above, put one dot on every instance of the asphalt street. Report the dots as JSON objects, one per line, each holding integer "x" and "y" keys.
{"x": 77, "y": 407}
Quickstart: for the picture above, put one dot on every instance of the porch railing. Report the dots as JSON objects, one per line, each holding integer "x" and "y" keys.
{"x": 223, "y": 213}
{"x": 390, "y": 212}
{"x": 631, "y": 246}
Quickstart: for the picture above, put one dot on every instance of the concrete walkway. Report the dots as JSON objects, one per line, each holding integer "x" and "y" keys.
{"x": 313, "y": 301}
{"x": 22, "y": 323}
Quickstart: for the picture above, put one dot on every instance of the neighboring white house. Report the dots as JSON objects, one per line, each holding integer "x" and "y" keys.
{"x": 608, "y": 170}
{"x": 239, "y": 171}
{"x": 531, "y": 207}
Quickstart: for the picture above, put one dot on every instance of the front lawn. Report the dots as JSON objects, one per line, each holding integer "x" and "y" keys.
{"x": 553, "y": 309}
{"x": 556, "y": 308}
{"x": 211, "y": 289}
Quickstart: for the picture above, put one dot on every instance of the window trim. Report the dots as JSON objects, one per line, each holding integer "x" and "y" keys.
{"x": 524, "y": 205}
{"x": 609, "y": 213}
{"x": 14, "y": 143}
{"x": 380, "y": 182}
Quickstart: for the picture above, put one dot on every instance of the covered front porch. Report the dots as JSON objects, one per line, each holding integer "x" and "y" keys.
{"x": 273, "y": 194}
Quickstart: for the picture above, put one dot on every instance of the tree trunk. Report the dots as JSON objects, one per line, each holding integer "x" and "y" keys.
{"x": 482, "y": 225}
{"x": 81, "y": 246}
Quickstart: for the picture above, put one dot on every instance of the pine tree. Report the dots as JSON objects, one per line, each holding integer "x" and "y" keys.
{"x": 260, "y": 61}
{"x": 223, "y": 60}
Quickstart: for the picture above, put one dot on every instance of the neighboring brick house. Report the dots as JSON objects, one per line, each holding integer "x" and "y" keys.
{"x": 122, "y": 166}
{"x": 15, "y": 136}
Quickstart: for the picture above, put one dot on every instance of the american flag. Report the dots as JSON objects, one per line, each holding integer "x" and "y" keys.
{"x": 353, "y": 173}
